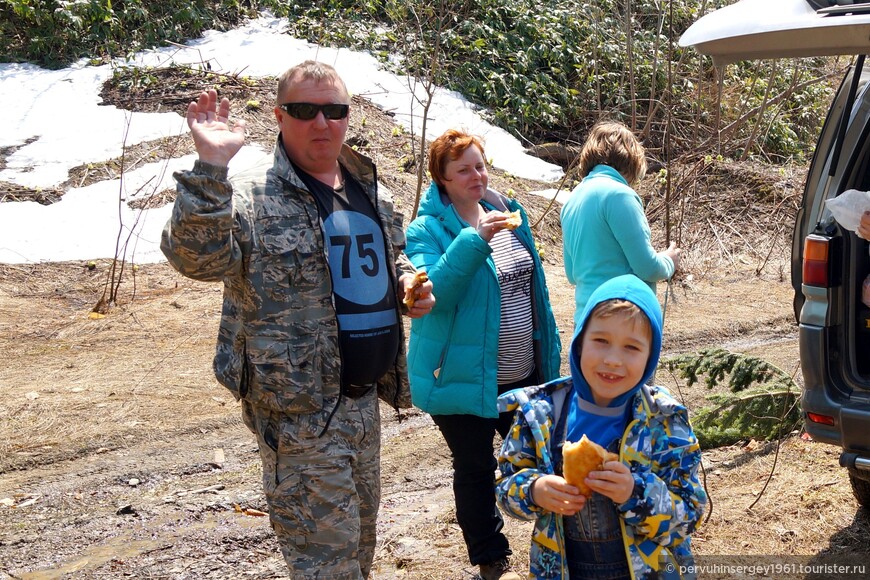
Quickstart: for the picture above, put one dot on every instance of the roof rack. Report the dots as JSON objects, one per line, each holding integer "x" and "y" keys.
{"x": 860, "y": 8}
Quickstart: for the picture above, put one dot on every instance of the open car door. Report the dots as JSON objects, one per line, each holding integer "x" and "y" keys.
{"x": 766, "y": 29}
{"x": 758, "y": 29}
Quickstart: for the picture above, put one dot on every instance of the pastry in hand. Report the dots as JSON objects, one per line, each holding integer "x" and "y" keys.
{"x": 582, "y": 457}
{"x": 514, "y": 220}
{"x": 411, "y": 290}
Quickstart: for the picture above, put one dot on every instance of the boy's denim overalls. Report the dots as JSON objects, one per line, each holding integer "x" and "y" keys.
{"x": 594, "y": 547}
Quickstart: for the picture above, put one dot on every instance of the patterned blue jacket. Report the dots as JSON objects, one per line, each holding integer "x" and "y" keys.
{"x": 657, "y": 444}
{"x": 659, "y": 447}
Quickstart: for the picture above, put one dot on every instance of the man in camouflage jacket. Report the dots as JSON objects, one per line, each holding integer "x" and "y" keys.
{"x": 309, "y": 250}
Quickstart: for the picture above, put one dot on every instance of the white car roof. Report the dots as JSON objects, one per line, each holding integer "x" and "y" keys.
{"x": 754, "y": 29}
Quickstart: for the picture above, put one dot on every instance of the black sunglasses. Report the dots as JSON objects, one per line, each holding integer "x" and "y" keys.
{"x": 307, "y": 111}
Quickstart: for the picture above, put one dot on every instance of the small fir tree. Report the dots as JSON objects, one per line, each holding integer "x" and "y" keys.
{"x": 762, "y": 402}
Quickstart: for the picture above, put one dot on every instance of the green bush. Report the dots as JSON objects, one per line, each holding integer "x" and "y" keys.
{"x": 54, "y": 33}
{"x": 548, "y": 69}
{"x": 544, "y": 69}
{"x": 762, "y": 402}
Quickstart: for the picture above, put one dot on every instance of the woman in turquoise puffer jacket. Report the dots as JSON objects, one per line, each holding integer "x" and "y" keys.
{"x": 491, "y": 330}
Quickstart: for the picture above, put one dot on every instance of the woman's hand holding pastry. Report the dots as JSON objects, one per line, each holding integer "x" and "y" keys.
{"x": 493, "y": 222}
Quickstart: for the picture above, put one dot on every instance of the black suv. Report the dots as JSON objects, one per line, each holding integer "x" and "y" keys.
{"x": 829, "y": 263}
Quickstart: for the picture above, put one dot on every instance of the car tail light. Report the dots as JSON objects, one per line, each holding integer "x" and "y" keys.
{"x": 817, "y": 253}
{"x": 823, "y": 419}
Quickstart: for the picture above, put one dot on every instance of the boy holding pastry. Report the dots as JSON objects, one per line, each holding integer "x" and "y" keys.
{"x": 631, "y": 516}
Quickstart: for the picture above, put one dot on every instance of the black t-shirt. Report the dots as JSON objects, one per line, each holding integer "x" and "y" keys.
{"x": 365, "y": 300}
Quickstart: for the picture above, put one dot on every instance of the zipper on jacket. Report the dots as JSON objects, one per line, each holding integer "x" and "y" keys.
{"x": 437, "y": 371}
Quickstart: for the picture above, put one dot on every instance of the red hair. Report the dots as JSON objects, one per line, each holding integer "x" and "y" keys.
{"x": 449, "y": 147}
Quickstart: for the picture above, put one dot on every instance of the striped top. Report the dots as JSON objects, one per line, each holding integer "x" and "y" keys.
{"x": 514, "y": 264}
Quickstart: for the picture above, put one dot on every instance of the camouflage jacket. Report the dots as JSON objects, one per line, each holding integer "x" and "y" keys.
{"x": 260, "y": 235}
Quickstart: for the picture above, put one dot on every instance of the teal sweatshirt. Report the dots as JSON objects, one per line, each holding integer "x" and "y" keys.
{"x": 605, "y": 234}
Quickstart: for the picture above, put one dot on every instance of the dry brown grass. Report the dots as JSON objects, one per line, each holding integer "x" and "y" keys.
{"x": 802, "y": 504}
{"x": 83, "y": 384}
{"x": 138, "y": 384}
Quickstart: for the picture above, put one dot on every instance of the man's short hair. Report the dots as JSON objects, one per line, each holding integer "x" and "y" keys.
{"x": 449, "y": 147}
{"x": 629, "y": 310}
{"x": 309, "y": 70}
{"x": 612, "y": 143}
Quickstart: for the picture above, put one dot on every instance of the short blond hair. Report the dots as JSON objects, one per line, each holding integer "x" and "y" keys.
{"x": 626, "y": 309}
{"x": 612, "y": 143}
{"x": 309, "y": 70}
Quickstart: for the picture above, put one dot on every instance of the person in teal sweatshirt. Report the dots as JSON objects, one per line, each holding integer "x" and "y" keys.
{"x": 605, "y": 232}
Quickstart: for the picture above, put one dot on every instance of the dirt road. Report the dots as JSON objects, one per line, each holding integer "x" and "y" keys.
{"x": 128, "y": 460}
{"x": 120, "y": 456}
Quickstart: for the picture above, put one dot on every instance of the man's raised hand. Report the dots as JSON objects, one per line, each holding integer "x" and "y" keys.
{"x": 216, "y": 143}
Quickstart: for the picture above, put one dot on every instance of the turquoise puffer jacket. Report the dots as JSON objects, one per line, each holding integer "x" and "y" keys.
{"x": 453, "y": 350}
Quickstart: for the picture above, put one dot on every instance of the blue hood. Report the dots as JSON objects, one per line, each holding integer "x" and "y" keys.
{"x": 585, "y": 417}
{"x": 432, "y": 202}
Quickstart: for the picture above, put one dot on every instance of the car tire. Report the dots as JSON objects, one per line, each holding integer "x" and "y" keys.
{"x": 860, "y": 488}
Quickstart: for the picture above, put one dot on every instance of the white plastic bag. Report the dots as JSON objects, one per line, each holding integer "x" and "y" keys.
{"x": 848, "y": 207}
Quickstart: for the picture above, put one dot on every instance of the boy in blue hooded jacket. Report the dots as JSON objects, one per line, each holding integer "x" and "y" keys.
{"x": 638, "y": 521}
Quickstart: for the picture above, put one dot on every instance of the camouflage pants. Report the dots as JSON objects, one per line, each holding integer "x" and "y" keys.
{"x": 323, "y": 492}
